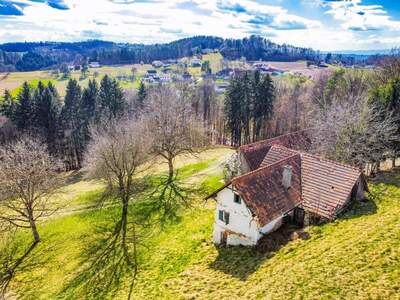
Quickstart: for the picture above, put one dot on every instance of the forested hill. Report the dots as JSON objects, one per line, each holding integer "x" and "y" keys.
{"x": 35, "y": 56}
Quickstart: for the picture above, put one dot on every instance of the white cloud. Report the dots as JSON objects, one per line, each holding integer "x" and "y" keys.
{"x": 162, "y": 21}
{"x": 358, "y": 17}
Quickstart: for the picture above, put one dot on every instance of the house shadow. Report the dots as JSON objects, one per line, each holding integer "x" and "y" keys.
{"x": 358, "y": 209}
{"x": 241, "y": 262}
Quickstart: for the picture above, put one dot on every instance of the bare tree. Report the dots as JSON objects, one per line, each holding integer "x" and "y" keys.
{"x": 176, "y": 131}
{"x": 115, "y": 155}
{"x": 28, "y": 179}
{"x": 173, "y": 125}
{"x": 356, "y": 134}
{"x": 290, "y": 107}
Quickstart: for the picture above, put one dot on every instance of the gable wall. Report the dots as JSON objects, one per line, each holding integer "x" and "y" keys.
{"x": 242, "y": 228}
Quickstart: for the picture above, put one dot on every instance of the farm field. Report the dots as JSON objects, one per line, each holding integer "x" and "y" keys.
{"x": 299, "y": 67}
{"x": 12, "y": 81}
{"x": 355, "y": 257}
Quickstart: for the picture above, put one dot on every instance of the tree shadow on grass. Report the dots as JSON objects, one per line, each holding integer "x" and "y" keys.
{"x": 390, "y": 177}
{"x": 109, "y": 262}
{"x": 74, "y": 177}
{"x": 241, "y": 262}
{"x": 17, "y": 257}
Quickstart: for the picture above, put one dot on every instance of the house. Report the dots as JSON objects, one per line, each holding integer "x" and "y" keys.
{"x": 195, "y": 62}
{"x": 151, "y": 72}
{"x": 94, "y": 64}
{"x": 265, "y": 68}
{"x": 157, "y": 64}
{"x": 286, "y": 184}
{"x": 186, "y": 76}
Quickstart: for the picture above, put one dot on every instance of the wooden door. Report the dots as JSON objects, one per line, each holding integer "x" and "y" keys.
{"x": 224, "y": 238}
{"x": 298, "y": 216}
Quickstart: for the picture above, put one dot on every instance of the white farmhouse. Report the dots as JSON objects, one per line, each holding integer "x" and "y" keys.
{"x": 287, "y": 185}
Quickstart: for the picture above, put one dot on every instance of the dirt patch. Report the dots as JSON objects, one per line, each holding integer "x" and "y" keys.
{"x": 4, "y": 76}
{"x": 272, "y": 242}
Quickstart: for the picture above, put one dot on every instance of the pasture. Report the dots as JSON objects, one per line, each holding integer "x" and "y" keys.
{"x": 355, "y": 257}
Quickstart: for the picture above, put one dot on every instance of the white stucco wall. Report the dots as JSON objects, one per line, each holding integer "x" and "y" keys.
{"x": 271, "y": 226}
{"x": 243, "y": 228}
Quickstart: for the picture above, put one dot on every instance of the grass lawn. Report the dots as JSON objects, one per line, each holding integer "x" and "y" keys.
{"x": 215, "y": 61}
{"x": 355, "y": 257}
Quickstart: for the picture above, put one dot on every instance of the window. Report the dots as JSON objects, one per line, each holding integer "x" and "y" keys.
{"x": 226, "y": 218}
{"x": 237, "y": 199}
{"x": 223, "y": 216}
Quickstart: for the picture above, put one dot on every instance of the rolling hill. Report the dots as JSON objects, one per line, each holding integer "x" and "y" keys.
{"x": 355, "y": 257}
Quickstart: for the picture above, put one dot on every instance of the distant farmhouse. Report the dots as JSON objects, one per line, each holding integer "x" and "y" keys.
{"x": 195, "y": 62}
{"x": 265, "y": 68}
{"x": 282, "y": 182}
{"x": 152, "y": 76}
{"x": 94, "y": 64}
{"x": 157, "y": 64}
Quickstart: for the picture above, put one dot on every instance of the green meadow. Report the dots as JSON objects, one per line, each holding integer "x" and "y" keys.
{"x": 355, "y": 257}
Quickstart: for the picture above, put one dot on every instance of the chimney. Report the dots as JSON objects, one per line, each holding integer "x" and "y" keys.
{"x": 287, "y": 177}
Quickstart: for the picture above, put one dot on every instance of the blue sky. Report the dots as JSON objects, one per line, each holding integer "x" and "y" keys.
{"x": 320, "y": 24}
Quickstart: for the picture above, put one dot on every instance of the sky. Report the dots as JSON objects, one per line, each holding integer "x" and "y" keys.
{"x": 325, "y": 25}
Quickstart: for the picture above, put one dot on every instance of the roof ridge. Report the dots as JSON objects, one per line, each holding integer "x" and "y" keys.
{"x": 273, "y": 138}
{"x": 262, "y": 168}
{"x": 318, "y": 157}
{"x": 332, "y": 161}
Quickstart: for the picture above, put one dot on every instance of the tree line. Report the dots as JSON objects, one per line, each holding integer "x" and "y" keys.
{"x": 249, "y": 103}
{"x": 34, "y": 56}
{"x": 64, "y": 125}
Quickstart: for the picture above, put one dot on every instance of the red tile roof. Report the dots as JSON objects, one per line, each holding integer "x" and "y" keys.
{"x": 319, "y": 185}
{"x": 263, "y": 192}
{"x": 326, "y": 185}
{"x": 255, "y": 153}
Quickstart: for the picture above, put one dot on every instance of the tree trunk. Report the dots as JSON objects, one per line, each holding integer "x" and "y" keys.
{"x": 35, "y": 232}
{"x": 124, "y": 225}
{"x": 393, "y": 162}
{"x": 170, "y": 170}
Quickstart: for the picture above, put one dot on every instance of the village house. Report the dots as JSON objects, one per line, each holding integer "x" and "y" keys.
{"x": 157, "y": 64}
{"x": 94, "y": 64}
{"x": 280, "y": 182}
{"x": 195, "y": 62}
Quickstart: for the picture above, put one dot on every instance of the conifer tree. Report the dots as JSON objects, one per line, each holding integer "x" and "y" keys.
{"x": 142, "y": 93}
{"x": 246, "y": 105}
{"x": 233, "y": 101}
{"x": 72, "y": 126}
{"x": 89, "y": 109}
{"x": 7, "y": 105}
{"x": 263, "y": 103}
{"x": 47, "y": 111}
{"x": 24, "y": 108}
{"x": 111, "y": 98}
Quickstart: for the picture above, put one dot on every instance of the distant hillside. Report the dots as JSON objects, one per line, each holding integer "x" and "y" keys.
{"x": 34, "y": 56}
{"x": 364, "y": 52}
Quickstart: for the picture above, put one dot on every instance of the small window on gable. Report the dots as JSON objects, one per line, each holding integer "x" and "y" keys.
{"x": 237, "y": 199}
